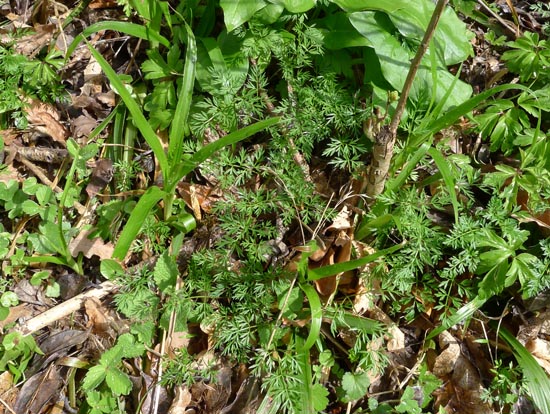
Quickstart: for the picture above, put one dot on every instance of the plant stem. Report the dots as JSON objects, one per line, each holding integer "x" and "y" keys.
{"x": 385, "y": 139}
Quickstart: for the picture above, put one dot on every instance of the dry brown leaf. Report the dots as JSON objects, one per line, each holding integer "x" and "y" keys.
{"x": 181, "y": 401}
{"x": 99, "y": 320}
{"x": 38, "y": 391}
{"x": 9, "y": 174}
{"x": 199, "y": 197}
{"x": 9, "y": 135}
{"x": 83, "y": 126}
{"x": 96, "y": 247}
{"x": 31, "y": 44}
{"x": 395, "y": 337}
{"x": 326, "y": 285}
{"x": 107, "y": 98}
{"x": 103, "y": 4}
{"x": 178, "y": 340}
{"x": 341, "y": 222}
{"x": 44, "y": 118}
{"x": 540, "y": 349}
{"x": 16, "y": 312}
{"x": 8, "y": 391}
{"x": 93, "y": 78}
{"x": 102, "y": 175}
{"x": 446, "y": 360}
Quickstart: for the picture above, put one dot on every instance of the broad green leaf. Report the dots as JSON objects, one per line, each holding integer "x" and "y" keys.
{"x": 340, "y": 33}
{"x": 140, "y": 212}
{"x": 165, "y": 272}
{"x": 238, "y": 12}
{"x": 110, "y": 268}
{"x": 451, "y": 39}
{"x": 408, "y": 403}
{"x": 360, "y": 5}
{"x": 155, "y": 67}
{"x": 118, "y": 381}
{"x": 52, "y": 237}
{"x": 536, "y": 380}
{"x": 53, "y": 290}
{"x": 355, "y": 386}
{"x": 294, "y": 302}
{"x": 4, "y": 312}
{"x": 523, "y": 268}
{"x": 9, "y": 299}
{"x": 394, "y": 61}
{"x": 319, "y": 396}
{"x": 295, "y": 6}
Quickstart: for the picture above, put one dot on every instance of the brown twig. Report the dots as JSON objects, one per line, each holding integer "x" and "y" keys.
{"x": 385, "y": 139}
{"x": 64, "y": 309}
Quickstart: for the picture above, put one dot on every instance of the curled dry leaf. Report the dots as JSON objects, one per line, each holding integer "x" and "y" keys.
{"x": 540, "y": 349}
{"x": 40, "y": 389}
{"x": 99, "y": 320}
{"x": 31, "y": 44}
{"x": 463, "y": 388}
{"x": 446, "y": 360}
{"x": 83, "y": 126}
{"x": 8, "y": 391}
{"x": 45, "y": 119}
{"x": 181, "y": 400}
{"x": 102, "y": 175}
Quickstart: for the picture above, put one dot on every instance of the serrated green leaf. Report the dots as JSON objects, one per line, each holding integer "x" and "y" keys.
{"x": 93, "y": 378}
{"x": 320, "y": 397}
{"x": 408, "y": 404}
{"x": 118, "y": 381}
{"x": 166, "y": 272}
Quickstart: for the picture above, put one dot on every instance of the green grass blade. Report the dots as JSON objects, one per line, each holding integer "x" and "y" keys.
{"x": 326, "y": 271}
{"x": 313, "y": 397}
{"x": 461, "y": 314}
{"x": 536, "y": 380}
{"x": 448, "y": 178}
{"x": 137, "y": 116}
{"x": 397, "y": 182}
{"x": 316, "y": 316}
{"x": 179, "y": 128}
{"x": 131, "y": 29}
{"x": 145, "y": 204}
{"x": 203, "y": 154}
{"x": 370, "y": 226}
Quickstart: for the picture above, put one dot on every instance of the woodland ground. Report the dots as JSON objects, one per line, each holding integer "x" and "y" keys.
{"x": 193, "y": 217}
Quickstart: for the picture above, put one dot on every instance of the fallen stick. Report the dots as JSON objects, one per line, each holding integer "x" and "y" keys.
{"x": 64, "y": 309}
